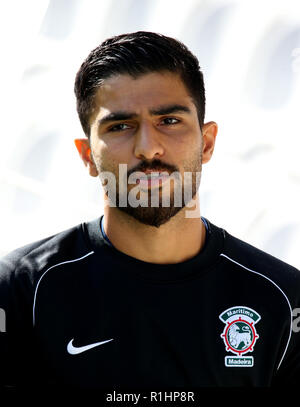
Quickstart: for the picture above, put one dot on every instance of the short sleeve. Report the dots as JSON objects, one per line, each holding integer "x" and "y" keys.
{"x": 15, "y": 324}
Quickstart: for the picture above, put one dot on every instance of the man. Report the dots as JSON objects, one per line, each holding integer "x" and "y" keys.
{"x": 151, "y": 293}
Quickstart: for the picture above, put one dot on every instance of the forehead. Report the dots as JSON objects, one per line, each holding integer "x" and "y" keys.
{"x": 147, "y": 91}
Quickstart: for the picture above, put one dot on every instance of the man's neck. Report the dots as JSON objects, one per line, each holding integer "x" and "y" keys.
{"x": 177, "y": 240}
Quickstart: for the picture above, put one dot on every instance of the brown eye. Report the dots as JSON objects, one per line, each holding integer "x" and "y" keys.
{"x": 170, "y": 120}
{"x": 119, "y": 127}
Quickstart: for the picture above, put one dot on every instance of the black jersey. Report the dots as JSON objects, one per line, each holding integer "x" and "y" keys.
{"x": 77, "y": 312}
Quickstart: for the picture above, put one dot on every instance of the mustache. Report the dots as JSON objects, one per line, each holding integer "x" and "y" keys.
{"x": 155, "y": 165}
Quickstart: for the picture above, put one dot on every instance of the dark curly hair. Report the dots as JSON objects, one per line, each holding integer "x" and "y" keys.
{"x": 136, "y": 54}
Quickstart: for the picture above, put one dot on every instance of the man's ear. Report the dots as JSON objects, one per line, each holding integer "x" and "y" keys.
{"x": 209, "y": 134}
{"x": 84, "y": 150}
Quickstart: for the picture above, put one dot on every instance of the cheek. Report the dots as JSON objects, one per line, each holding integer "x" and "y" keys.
{"x": 116, "y": 155}
{"x": 100, "y": 153}
{"x": 99, "y": 158}
{"x": 185, "y": 150}
{"x": 106, "y": 162}
{"x": 192, "y": 158}
{"x": 187, "y": 137}
{"x": 120, "y": 147}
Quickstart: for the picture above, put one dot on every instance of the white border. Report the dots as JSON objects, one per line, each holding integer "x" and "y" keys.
{"x": 239, "y": 357}
{"x": 55, "y": 265}
{"x": 245, "y": 316}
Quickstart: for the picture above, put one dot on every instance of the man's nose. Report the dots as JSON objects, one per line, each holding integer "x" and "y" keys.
{"x": 147, "y": 142}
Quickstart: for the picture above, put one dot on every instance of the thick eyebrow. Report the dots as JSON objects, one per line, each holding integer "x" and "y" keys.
{"x": 161, "y": 110}
{"x": 115, "y": 116}
{"x": 169, "y": 109}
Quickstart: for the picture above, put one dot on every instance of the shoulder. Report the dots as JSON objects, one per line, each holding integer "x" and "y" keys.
{"x": 254, "y": 260}
{"x": 33, "y": 258}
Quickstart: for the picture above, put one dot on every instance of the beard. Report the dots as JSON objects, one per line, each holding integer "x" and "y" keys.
{"x": 151, "y": 215}
{"x": 177, "y": 197}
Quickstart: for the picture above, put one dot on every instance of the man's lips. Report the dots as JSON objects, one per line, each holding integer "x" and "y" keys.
{"x": 153, "y": 178}
{"x": 159, "y": 170}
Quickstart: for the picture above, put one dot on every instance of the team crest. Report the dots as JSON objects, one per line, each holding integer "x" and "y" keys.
{"x": 239, "y": 335}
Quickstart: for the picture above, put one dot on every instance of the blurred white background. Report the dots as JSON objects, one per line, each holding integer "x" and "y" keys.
{"x": 249, "y": 51}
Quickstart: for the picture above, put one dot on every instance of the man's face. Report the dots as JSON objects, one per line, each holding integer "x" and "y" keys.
{"x": 151, "y": 125}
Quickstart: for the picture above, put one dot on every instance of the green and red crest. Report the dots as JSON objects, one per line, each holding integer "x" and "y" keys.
{"x": 239, "y": 334}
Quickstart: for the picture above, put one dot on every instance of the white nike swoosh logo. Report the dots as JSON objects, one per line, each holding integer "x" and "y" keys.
{"x": 75, "y": 350}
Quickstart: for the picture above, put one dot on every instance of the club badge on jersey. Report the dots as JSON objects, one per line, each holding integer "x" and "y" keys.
{"x": 239, "y": 335}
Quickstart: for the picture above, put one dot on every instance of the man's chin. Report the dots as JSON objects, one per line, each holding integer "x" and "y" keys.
{"x": 151, "y": 216}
